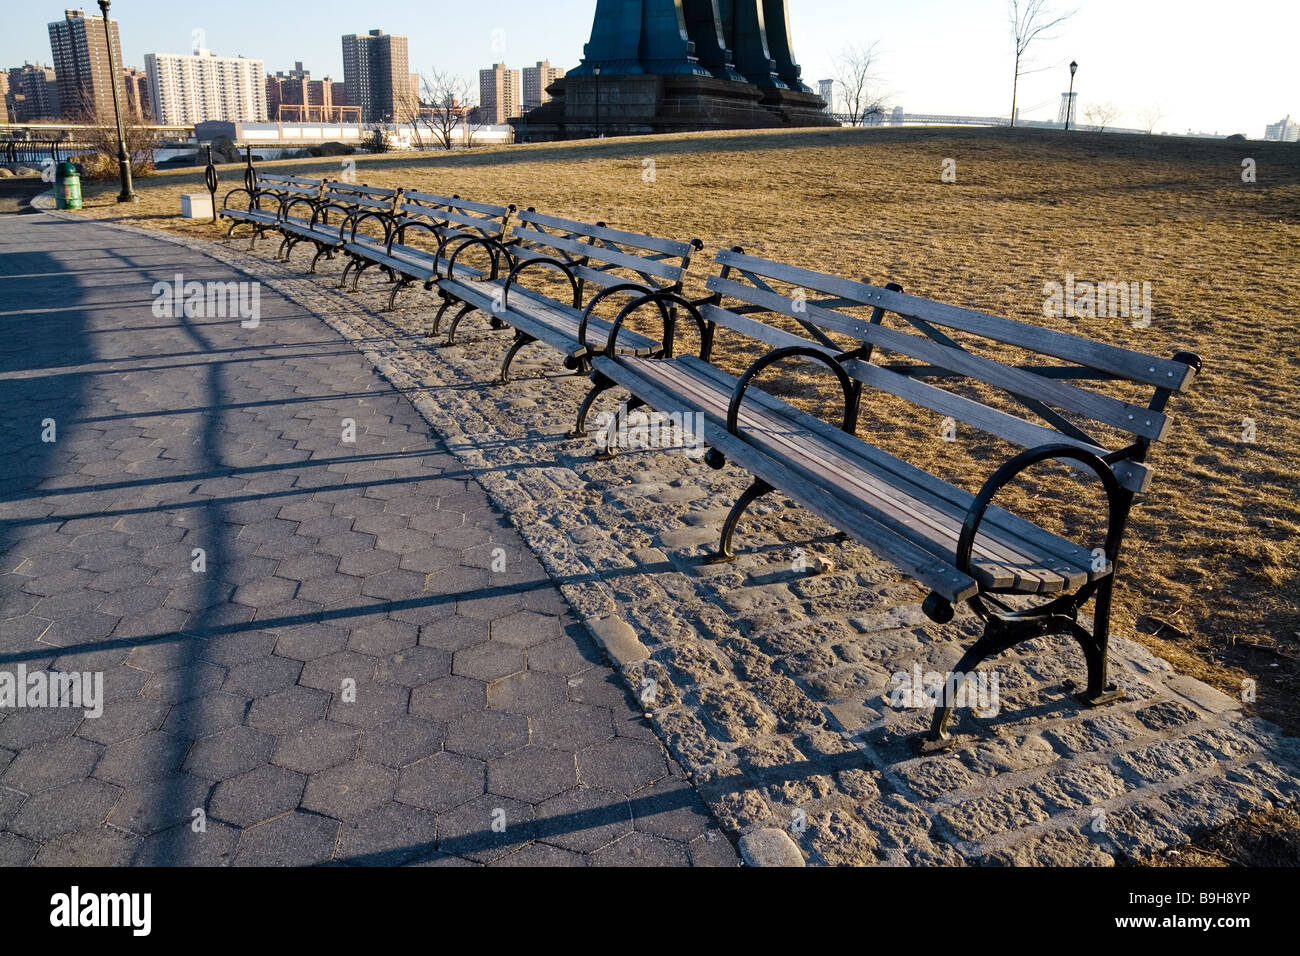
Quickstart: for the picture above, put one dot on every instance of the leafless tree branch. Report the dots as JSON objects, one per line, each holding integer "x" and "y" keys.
{"x": 1031, "y": 21}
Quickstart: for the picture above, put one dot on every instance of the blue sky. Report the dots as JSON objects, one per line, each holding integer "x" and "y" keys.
{"x": 1205, "y": 64}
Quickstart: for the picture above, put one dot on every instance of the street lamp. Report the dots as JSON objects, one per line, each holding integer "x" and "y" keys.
{"x": 123, "y": 163}
{"x": 1069, "y": 100}
{"x": 596, "y": 71}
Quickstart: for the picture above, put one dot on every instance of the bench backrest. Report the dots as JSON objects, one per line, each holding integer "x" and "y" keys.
{"x": 602, "y": 256}
{"x": 269, "y": 182}
{"x": 454, "y": 216}
{"x": 288, "y": 188}
{"x": 360, "y": 196}
{"x": 821, "y": 306}
{"x": 355, "y": 203}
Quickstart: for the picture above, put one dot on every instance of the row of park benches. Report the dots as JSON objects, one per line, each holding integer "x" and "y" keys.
{"x": 959, "y": 545}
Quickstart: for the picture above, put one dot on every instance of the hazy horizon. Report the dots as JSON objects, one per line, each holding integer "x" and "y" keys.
{"x": 1206, "y": 68}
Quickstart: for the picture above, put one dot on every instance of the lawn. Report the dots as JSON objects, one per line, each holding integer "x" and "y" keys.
{"x": 1210, "y": 578}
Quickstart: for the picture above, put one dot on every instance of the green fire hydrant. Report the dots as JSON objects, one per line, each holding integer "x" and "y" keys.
{"x": 67, "y": 187}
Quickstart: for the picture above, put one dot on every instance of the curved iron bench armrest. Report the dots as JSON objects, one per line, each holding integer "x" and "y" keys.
{"x": 548, "y": 263}
{"x": 600, "y": 297}
{"x": 357, "y": 217}
{"x": 323, "y": 210}
{"x": 288, "y": 202}
{"x": 252, "y": 197}
{"x": 663, "y": 298}
{"x": 398, "y": 234}
{"x": 1027, "y": 459}
{"x": 806, "y": 351}
{"x": 495, "y": 249}
{"x": 450, "y": 238}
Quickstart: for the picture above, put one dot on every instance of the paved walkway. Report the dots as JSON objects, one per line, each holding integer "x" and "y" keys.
{"x": 370, "y": 667}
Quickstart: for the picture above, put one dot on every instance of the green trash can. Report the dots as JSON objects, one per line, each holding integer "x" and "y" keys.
{"x": 67, "y": 187}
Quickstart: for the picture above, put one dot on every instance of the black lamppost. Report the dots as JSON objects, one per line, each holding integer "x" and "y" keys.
{"x": 596, "y": 70}
{"x": 123, "y": 163}
{"x": 1069, "y": 100}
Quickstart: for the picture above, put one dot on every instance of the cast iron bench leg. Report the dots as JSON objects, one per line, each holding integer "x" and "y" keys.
{"x": 521, "y": 339}
{"x": 751, "y": 494}
{"x": 398, "y": 287}
{"x": 437, "y": 319}
{"x": 1003, "y": 633}
{"x": 320, "y": 251}
{"x": 455, "y": 323}
{"x": 602, "y": 384}
{"x": 611, "y": 435}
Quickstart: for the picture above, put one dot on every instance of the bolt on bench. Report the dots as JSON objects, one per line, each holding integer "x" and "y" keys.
{"x": 958, "y": 545}
{"x": 586, "y": 255}
{"x": 453, "y": 224}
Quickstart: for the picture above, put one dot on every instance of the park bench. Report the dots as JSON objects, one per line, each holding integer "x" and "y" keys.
{"x": 267, "y": 201}
{"x": 334, "y": 216}
{"x": 958, "y": 545}
{"x": 588, "y": 256}
{"x": 452, "y": 224}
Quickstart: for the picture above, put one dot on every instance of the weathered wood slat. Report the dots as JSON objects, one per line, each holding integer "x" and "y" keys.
{"x": 1007, "y": 561}
{"x": 672, "y": 247}
{"x": 494, "y": 227}
{"x": 1102, "y": 408}
{"x": 916, "y": 481}
{"x": 752, "y": 328}
{"x": 934, "y": 573}
{"x": 638, "y": 264}
{"x": 263, "y": 178}
{"x": 546, "y": 319}
{"x": 1132, "y": 475}
{"x": 1011, "y": 553}
{"x": 1134, "y": 366}
{"x": 453, "y": 202}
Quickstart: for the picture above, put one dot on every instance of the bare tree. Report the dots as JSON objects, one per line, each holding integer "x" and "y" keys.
{"x": 406, "y": 112}
{"x": 1150, "y": 118}
{"x": 859, "y": 83}
{"x": 449, "y": 111}
{"x": 1100, "y": 115}
{"x": 1031, "y": 20}
{"x": 101, "y": 134}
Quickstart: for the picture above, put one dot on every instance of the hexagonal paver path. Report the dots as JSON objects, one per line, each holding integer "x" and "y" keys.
{"x": 304, "y": 657}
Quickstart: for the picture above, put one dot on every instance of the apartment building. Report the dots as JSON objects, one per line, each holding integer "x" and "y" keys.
{"x": 81, "y": 65}
{"x": 376, "y": 75}
{"x": 199, "y": 87}
{"x": 499, "y": 94}
{"x": 536, "y": 79}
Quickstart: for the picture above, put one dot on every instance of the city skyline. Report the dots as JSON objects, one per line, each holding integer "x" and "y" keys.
{"x": 1204, "y": 69}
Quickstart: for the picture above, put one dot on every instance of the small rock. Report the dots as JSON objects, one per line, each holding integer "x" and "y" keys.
{"x": 769, "y": 847}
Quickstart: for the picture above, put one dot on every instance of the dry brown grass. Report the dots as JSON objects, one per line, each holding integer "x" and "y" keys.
{"x": 1210, "y": 581}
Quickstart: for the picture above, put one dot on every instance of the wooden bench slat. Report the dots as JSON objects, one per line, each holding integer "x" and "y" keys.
{"x": 545, "y": 319}
{"x": 583, "y": 250}
{"x": 752, "y": 328}
{"x": 454, "y": 202}
{"x": 671, "y": 247}
{"x": 1101, "y": 408}
{"x": 1032, "y": 560}
{"x": 1135, "y": 476}
{"x": 1134, "y": 366}
{"x": 991, "y": 569}
{"x": 918, "y": 481}
{"x": 936, "y": 518}
{"x": 493, "y": 227}
{"x": 934, "y": 573}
